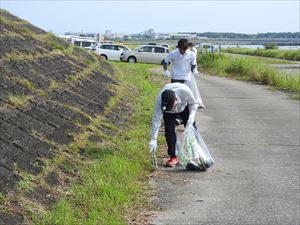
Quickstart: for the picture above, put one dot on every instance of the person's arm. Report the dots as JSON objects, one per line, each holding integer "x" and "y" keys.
{"x": 165, "y": 63}
{"x": 193, "y": 67}
{"x": 194, "y": 63}
{"x": 156, "y": 118}
{"x": 193, "y": 106}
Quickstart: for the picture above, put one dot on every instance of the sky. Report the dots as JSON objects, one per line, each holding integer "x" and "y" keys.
{"x": 166, "y": 16}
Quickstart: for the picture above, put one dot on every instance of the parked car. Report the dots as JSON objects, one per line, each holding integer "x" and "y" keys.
{"x": 145, "y": 54}
{"x": 165, "y": 45}
{"x": 109, "y": 51}
{"x": 82, "y": 42}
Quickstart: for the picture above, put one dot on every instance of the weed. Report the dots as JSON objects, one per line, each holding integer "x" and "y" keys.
{"x": 53, "y": 85}
{"x": 249, "y": 69}
{"x": 25, "y": 184}
{"x": 2, "y": 198}
{"x": 25, "y": 83}
{"x": 18, "y": 100}
{"x": 272, "y": 53}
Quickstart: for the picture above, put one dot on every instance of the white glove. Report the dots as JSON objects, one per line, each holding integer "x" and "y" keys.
{"x": 152, "y": 145}
{"x": 195, "y": 71}
{"x": 191, "y": 119}
{"x": 167, "y": 73}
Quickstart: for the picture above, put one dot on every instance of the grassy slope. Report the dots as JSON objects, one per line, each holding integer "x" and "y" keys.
{"x": 248, "y": 69}
{"x": 111, "y": 187}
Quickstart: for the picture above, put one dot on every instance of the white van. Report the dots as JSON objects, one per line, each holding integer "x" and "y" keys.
{"x": 83, "y": 42}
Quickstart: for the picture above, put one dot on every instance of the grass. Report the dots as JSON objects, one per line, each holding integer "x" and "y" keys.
{"x": 17, "y": 25}
{"x": 56, "y": 45}
{"x": 272, "y": 53}
{"x": 53, "y": 85}
{"x": 111, "y": 186}
{"x": 264, "y": 59}
{"x": 18, "y": 100}
{"x": 51, "y": 40}
{"x": 248, "y": 69}
{"x": 25, "y": 184}
{"x": 25, "y": 83}
{"x": 2, "y": 198}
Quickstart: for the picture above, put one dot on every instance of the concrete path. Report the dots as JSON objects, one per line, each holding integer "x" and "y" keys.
{"x": 253, "y": 136}
{"x": 293, "y": 69}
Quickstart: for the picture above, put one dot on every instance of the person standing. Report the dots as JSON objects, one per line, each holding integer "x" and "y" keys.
{"x": 184, "y": 67}
{"x": 183, "y": 63}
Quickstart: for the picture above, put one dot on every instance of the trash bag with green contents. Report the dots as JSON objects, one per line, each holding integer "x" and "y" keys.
{"x": 193, "y": 153}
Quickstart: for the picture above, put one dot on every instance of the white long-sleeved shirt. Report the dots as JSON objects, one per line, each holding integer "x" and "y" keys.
{"x": 184, "y": 98}
{"x": 181, "y": 64}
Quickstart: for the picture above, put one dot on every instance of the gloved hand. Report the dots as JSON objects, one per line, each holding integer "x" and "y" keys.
{"x": 195, "y": 71}
{"x": 152, "y": 145}
{"x": 167, "y": 73}
{"x": 191, "y": 119}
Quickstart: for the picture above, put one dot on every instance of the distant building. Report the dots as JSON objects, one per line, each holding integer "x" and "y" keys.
{"x": 148, "y": 34}
{"x": 108, "y": 33}
{"x": 162, "y": 36}
{"x": 81, "y": 34}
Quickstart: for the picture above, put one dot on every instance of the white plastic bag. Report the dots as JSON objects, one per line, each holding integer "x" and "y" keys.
{"x": 191, "y": 83}
{"x": 194, "y": 149}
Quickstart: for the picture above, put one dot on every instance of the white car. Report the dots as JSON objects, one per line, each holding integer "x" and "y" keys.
{"x": 109, "y": 51}
{"x": 145, "y": 54}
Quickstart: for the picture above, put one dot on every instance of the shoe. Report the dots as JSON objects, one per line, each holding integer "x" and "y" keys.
{"x": 172, "y": 162}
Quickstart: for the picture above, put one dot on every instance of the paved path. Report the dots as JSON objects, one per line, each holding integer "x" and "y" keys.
{"x": 253, "y": 135}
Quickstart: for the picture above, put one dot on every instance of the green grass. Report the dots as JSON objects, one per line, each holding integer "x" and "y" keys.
{"x": 2, "y": 197}
{"x": 263, "y": 59}
{"x": 56, "y": 45}
{"x": 111, "y": 188}
{"x": 248, "y": 69}
{"x": 25, "y": 184}
{"x": 25, "y": 83}
{"x": 17, "y": 25}
{"x": 272, "y": 53}
{"x": 18, "y": 100}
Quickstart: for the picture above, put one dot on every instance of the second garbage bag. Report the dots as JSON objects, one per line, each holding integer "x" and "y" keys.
{"x": 191, "y": 83}
{"x": 193, "y": 152}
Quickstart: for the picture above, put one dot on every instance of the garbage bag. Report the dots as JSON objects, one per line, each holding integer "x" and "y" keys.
{"x": 193, "y": 149}
{"x": 191, "y": 83}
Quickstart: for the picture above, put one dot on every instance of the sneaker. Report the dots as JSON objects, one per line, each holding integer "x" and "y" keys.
{"x": 172, "y": 162}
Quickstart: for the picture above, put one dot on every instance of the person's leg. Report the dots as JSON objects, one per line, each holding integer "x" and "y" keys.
{"x": 170, "y": 134}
